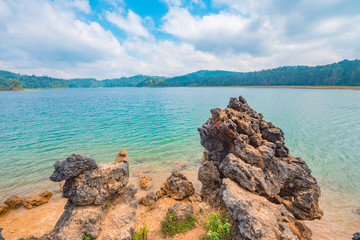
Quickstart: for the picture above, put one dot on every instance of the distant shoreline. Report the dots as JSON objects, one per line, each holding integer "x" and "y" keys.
{"x": 356, "y": 88}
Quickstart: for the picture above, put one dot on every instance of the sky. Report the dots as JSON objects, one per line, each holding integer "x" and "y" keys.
{"x": 115, "y": 38}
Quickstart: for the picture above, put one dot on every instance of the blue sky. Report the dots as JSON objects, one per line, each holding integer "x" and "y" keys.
{"x": 114, "y": 38}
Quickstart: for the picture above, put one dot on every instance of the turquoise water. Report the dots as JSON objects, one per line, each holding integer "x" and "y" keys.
{"x": 160, "y": 125}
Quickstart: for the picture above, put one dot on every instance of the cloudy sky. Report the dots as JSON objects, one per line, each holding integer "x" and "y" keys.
{"x": 113, "y": 38}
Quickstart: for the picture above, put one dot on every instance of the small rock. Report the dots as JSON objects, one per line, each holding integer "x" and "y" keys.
{"x": 181, "y": 211}
{"x": 3, "y": 208}
{"x": 1, "y": 237}
{"x": 145, "y": 181}
{"x": 195, "y": 198}
{"x": 356, "y": 236}
{"x": 13, "y": 202}
{"x": 177, "y": 186}
{"x": 149, "y": 199}
{"x": 358, "y": 211}
{"x": 122, "y": 156}
{"x": 34, "y": 200}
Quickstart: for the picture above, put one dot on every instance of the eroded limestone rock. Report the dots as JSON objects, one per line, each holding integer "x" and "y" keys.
{"x": 100, "y": 204}
{"x": 4, "y": 208}
{"x": 149, "y": 199}
{"x": 13, "y": 202}
{"x": 1, "y": 237}
{"x": 34, "y": 200}
{"x": 257, "y": 218}
{"x": 122, "y": 156}
{"x": 241, "y": 146}
{"x": 177, "y": 186}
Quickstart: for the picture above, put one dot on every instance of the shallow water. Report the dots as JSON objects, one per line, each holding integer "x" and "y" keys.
{"x": 158, "y": 126}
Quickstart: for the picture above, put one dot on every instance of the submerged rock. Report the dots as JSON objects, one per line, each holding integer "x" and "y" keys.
{"x": 241, "y": 146}
{"x": 34, "y": 200}
{"x": 181, "y": 211}
{"x": 13, "y": 202}
{"x": 100, "y": 204}
{"x": 177, "y": 187}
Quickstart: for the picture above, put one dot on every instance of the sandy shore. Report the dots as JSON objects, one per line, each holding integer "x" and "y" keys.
{"x": 340, "y": 220}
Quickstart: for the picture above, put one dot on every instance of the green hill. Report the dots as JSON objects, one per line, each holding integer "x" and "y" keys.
{"x": 344, "y": 73}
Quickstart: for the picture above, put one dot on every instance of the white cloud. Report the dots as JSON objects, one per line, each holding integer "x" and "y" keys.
{"x": 131, "y": 24}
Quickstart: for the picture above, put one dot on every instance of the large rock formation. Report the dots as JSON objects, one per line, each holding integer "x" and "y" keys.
{"x": 244, "y": 153}
{"x": 100, "y": 204}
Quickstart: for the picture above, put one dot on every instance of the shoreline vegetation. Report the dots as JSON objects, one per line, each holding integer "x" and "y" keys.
{"x": 342, "y": 75}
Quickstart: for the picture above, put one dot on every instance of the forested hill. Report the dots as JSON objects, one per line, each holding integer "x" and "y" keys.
{"x": 344, "y": 73}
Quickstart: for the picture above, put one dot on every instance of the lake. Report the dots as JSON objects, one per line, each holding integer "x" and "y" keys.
{"x": 159, "y": 126}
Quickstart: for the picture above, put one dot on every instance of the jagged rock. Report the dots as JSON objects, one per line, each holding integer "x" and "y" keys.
{"x": 356, "y": 236}
{"x": 98, "y": 185}
{"x": 149, "y": 199}
{"x": 242, "y": 148}
{"x": 145, "y": 181}
{"x": 100, "y": 204}
{"x": 257, "y": 218}
{"x": 181, "y": 211}
{"x": 240, "y": 145}
{"x": 3, "y": 208}
{"x": 122, "y": 156}
{"x": 71, "y": 167}
{"x": 13, "y": 202}
{"x": 34, "y": 200}
{"x": 177, "y": 186}
{"x": 1, "y": 237}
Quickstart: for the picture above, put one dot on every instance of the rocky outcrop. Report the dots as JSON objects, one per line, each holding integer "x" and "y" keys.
{"x": 100, "y": 204}
{"x": 243, "y": 150}
{"x": 177, "y": 187}
{"x": 181, "y": 211}
{"x": 13, "y": 202}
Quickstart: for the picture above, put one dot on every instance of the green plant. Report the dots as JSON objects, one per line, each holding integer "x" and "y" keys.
{"x": 171, "y": 227}
{"x": 108, "y": 204}
{"x": 201, "y": 210}
{"x": 141, "y": 234}
{"x": 217, "y": 226}
{"x": 87, "y": 238}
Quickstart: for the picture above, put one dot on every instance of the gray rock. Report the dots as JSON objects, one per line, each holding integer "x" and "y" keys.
{"x": 177, "y": 186}
{"x": 240, "y": 145}
{"x": 356, "y": 236}
{"x": 1, "y": 237}
{"x": 100, "y": 204}
{"x": 181, "y": 211}
{"x": 255, "y": 217}
{"x": 72, "y": 167}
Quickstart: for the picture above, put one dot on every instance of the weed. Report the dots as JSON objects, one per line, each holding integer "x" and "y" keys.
{"x": 87, "y": 238}
{"x": 142, "y": 234}
{"x": 171, "y": 227}
{"x": 108, "y": 204}
{"x": 201, "y": 210}
{"x": 217, "y": 226}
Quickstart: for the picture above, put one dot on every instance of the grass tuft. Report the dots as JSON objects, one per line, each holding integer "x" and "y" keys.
{"x": 170, "y": 226}
{"x": 141, "y": 234}
{"x": 217, "y": 226}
